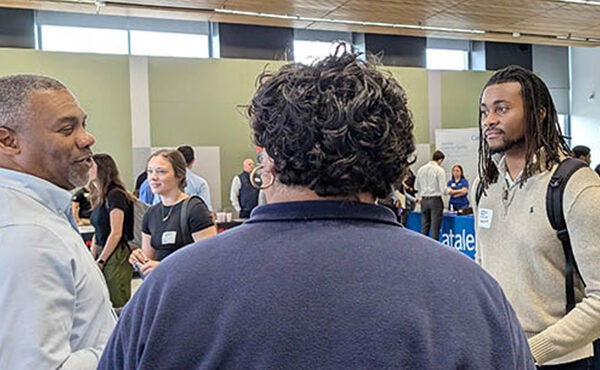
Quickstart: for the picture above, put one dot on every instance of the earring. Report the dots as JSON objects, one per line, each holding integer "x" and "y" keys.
{"x": 253, "y": 181}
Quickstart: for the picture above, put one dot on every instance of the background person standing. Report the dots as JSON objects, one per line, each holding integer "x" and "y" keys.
{"x": 244, "y": 196}
{"x": 583, "y": 153}
{"x": 458, "y": 188}
{"x": 112, "y": 218}
{"x": 196, "y": 185}
{"x": 162, "y": 231}
{"x": 430, "y": 185}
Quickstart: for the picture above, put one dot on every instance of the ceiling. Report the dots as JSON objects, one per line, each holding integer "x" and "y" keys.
{"x": 549, "y": 22}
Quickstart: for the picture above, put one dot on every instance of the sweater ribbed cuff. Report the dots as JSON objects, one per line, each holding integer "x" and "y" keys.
{"x": 541, "y": 348}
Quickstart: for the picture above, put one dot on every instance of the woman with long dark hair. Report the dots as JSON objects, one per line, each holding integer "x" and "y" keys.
{"x": 112, "y": 218}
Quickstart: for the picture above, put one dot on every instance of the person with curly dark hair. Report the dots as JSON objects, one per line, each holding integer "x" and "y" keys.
{"x": 321, "y": 276}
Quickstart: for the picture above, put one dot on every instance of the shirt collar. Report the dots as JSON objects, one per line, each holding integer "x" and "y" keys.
{"x": 537, "y": 165}
{"x": 499, "y": 160}
{"x": 323, "y": 210}
{"x": 56, "y": 199}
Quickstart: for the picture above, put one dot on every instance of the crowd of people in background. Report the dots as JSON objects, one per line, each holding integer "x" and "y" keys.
{"x": 319, "y": 275}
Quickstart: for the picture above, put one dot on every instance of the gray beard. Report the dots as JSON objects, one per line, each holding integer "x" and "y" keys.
{"x": 78, "y": 179}
{"x": 508, "y": 144}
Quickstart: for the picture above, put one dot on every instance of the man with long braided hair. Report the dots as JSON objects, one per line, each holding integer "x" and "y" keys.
{"x": 521, "y": 145}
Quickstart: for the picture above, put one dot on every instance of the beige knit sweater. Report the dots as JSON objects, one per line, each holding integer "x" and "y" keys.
{"x": 519, "y": 248}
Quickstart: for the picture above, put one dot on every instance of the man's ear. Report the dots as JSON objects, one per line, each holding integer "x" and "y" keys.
{"x": 9, "y": 143}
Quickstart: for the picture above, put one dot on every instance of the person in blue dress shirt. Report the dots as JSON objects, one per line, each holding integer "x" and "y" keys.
{"x": 458, "y": 188}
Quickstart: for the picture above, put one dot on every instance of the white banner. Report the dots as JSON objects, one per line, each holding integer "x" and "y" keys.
{"x": 460, "y": 146}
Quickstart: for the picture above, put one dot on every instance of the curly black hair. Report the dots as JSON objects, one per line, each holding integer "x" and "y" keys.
{"x": 539, "y": 133}
{"x": 338, "y": 126}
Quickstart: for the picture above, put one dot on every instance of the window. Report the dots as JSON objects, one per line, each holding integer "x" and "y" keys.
{"x": 169, "y": 44}
{"x": 564, "y": 122}
{"x": 447, "y": 59}
{"x": 84, "y": 40}
{"x": 307, "y": 51}
{"x": 105, "y": 34}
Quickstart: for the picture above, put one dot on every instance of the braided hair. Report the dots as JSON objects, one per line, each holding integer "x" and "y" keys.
{"x": 542, "y": 131}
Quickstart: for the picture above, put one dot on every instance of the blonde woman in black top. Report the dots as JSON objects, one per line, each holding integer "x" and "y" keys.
{"x": 162, "y": 232}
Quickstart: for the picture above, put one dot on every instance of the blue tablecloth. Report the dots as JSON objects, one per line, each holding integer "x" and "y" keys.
{"x": 457, "y": 231}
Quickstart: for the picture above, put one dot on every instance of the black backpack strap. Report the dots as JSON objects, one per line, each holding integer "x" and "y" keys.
{"x": 478, "y": 193}
{"x": 183, "y": 221}
{"x": 554, "y": 209}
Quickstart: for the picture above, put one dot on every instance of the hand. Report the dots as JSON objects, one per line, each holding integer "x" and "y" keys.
{"x": 138, "y": 257}
{"x": 101, "y": 263}
{"x": 147, "y": 267}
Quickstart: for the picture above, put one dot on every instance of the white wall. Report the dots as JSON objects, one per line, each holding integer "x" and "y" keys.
{"x": 585, "y": 100}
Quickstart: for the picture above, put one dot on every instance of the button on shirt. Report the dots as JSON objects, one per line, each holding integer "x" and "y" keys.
{"x": 430, "y": 181}
{"x": 56, "y": 312}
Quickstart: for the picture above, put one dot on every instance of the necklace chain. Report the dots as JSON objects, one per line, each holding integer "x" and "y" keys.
{"x": 162, "y": 208}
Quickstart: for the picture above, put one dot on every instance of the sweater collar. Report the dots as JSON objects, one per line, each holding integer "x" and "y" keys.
{"x": 323, "y": 210}
{"x": 537, "y": 165}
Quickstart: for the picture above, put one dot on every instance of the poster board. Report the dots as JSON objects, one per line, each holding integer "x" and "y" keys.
{"x": 423, "y": 155}
{"x": 460, "y": 147}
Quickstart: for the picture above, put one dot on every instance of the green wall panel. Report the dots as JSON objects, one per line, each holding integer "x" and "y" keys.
{"x": 460, "y": 98}
{"x": 199, "y": 102}
{"x": 415, "y": 83}
{"x": 101, "y": 84}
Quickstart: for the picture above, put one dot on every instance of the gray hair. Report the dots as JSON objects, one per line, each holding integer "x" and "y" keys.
{"x": 15, "y": 91}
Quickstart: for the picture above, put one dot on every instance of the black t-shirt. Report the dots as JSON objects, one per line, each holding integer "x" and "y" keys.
{"x": 82, "y": 196}
{"x": 162, "y": 223}
{"x": 100, "y": 217}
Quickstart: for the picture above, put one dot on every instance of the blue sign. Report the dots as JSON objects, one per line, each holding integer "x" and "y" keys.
{"x": 456, "y": 232}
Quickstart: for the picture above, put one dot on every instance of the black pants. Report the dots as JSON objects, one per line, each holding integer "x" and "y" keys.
{"x": 410, "y": 206}
{"x": 583, "y": 364}
{"x": 432, "y": 212}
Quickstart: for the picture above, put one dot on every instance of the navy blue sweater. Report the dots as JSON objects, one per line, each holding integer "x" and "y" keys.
{"x": 320, "y": 284}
